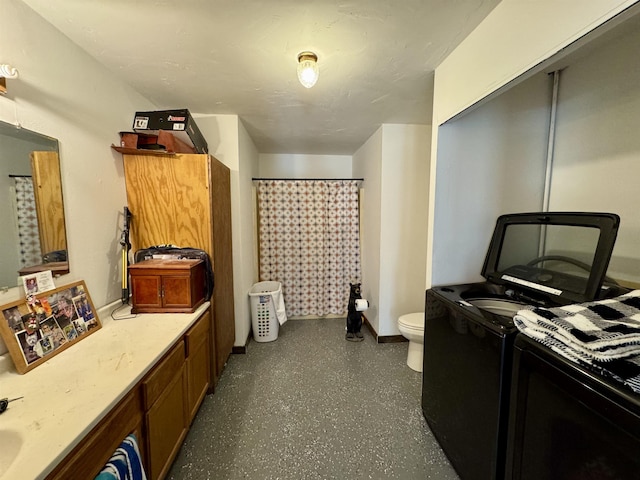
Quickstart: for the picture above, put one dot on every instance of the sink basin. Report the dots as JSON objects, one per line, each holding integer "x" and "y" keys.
{"x": 11, "y": 442}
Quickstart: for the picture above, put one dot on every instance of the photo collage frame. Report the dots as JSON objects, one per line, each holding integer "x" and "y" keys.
{"x": 43, "y": 325}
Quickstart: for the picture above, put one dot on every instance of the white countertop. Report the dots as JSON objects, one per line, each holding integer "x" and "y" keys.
{"x": 65, "y": 397}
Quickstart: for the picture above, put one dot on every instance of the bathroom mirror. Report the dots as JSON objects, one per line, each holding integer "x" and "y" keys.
{"x": 33, "y": 236}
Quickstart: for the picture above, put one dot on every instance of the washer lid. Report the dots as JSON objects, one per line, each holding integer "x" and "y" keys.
{"x": 558, "y": 255}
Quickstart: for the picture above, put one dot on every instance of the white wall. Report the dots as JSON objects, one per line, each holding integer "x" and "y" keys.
{"x": 395, "y": 165}
{"x": 367, "y": 164}
{"x": 304, "y": 166}
{"x": 65, "y": 94}
{"x": 490, "y": 162}
{"x": 247, "y": 268}
{"x": 403, "y": 225}
{"x": 81, "y": 104}
{"x": 513, "y": 38}
{"x": 597, "y": 152}
{"x": 229, "y": 142}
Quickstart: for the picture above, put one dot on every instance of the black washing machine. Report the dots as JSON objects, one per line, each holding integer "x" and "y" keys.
{"x": 567, "y": 422}
{"x": 541, "y": 259}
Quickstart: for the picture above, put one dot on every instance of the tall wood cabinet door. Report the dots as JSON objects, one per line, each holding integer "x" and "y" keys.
{"x": 198, "y": 363}
{"x": 169, "y": 199}
{"x": 167, "y": 426}
{"x": 224, "y": 311}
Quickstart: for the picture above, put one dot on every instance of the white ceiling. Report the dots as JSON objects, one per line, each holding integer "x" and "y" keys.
{"x": 376, "y": 60}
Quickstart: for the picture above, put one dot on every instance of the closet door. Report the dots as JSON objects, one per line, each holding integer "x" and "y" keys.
{"x": 169, "y": 199}
{"x": 225, "y": 330}
{"x": 185, "y": 200}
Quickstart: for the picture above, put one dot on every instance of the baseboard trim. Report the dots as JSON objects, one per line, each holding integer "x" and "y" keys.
{"x": 382, "y": 338}
{"x": 242, "y": 349}
{"x": 391, "y": 339}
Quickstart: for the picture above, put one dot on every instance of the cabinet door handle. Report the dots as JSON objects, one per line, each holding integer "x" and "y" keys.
{"x": 161, "y": 292}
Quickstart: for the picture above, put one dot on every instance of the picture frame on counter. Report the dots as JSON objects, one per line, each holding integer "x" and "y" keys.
{"x": 40, "y": 326}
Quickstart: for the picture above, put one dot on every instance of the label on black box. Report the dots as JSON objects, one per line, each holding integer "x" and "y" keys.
{"x": 141, "y": 122}
{"x": 178, "y": 126}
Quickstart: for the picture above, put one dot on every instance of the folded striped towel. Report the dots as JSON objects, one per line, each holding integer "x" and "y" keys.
{"x": 125, "y": 463}
{"x": 603, "y": 336}
{"x": 602, "y": 330}
{"x": 622, "y": 370}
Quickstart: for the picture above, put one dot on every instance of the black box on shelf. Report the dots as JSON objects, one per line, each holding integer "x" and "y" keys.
{"x": 179, "y": 122}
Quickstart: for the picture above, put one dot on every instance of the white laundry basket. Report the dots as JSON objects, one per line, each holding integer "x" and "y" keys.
{"x": 265, "y": 299}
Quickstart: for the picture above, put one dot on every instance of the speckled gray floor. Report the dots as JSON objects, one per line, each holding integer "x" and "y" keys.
{"x": 313, "y": 406}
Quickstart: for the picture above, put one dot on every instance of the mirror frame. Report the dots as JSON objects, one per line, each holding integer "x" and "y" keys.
{"x": 43, "y": 163}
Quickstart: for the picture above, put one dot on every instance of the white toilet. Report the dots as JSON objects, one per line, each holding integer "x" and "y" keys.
{"x": 411, "y": 327}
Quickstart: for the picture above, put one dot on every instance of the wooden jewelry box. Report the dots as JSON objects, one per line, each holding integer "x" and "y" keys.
{"x": 167, "y": 286}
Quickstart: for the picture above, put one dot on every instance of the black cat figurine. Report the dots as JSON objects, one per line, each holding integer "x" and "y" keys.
{"x": 354, "y": 317}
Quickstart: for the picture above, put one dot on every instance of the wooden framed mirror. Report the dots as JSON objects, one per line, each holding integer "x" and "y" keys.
{"x": 32, "y": 205}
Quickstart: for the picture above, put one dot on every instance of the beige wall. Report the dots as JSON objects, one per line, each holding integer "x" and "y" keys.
{"x": 304, "y": 166}
{"x": 514, "y": 38}
{"x": 247, "y": 266}
{"x": 597, "y": 148}
{"x": 395, "y": 165}
{"x": 229, "y": 142}
{"x": 367, "y": 164}
{"x": 403, "y": 228}
{"x": 65, "y": 94}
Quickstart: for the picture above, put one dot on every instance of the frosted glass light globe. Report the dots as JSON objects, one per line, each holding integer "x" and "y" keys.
{"x": 308, "y": 69}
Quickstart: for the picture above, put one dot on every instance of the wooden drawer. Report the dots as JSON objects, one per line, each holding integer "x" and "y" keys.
{"x": 161, "y": 376}
{"x": 198, "y": 333}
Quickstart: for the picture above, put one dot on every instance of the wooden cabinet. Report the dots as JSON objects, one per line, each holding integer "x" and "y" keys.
{"x": 172, "y": 394}
{"x": 198, "y": 344}
{"x": 159, "y": 410}
{"x": 165, "y": 405}
{"x": 185, "y": 200}
{"x": 88, "y": 458}
{"x": 167, "y": 286}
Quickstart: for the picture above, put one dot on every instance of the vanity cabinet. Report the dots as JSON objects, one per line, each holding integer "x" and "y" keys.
{"x": 198, "y": 347}
{"x": 88, "y": 458}
{"x": 167, "y": 286}
{"x": 165, "y": 405}
{"x": 159, "y": 409}
{"x": 172, "y": 394}
{"x": 185, "y": 200}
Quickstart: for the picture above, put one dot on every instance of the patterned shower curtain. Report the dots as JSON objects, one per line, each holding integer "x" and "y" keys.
{"x": 310, "y": 242}
{"x": 28, "y": 233}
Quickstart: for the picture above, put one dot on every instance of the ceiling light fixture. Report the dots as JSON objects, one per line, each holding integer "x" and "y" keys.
{"x": 6, "y": 71}
{"x": 308, "y": 69}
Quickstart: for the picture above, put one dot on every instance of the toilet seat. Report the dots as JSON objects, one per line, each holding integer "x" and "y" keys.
{"x": 411, "y": 326}
{"x": 412, "y": 321}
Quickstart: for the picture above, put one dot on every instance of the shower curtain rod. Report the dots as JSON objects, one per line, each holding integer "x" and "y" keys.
{"x": 312, "y": 179}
